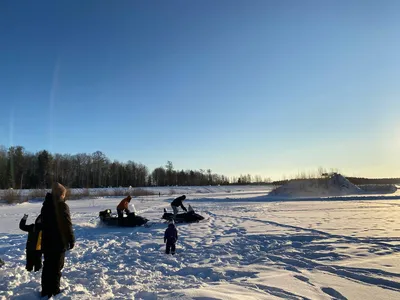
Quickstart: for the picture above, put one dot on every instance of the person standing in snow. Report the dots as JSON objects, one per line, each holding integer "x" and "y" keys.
{"x": 170, "y": 238}
{"x": 178, "y": 202}
{"x": 123, "y": 206}
{"x": 57, "y": 237}
{"x": 33, "y": 243}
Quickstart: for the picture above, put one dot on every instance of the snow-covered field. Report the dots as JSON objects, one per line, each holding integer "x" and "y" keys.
{"x": 249, "y": 247}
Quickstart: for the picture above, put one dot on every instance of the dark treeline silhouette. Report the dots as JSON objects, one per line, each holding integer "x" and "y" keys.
{"x": 20, "y": 169}
{"x": 360, "y": 180}
{"x": 354, "y": 180}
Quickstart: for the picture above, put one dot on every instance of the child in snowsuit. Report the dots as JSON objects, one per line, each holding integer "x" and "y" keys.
{"x": 33, "y": 243}
{"x": 170, "y": 238}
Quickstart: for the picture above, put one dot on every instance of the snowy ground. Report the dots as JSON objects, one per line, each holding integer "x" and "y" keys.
{"x": 249, "y": 247}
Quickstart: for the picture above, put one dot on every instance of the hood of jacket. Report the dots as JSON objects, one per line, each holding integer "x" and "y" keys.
{"x": 58, "y": 191}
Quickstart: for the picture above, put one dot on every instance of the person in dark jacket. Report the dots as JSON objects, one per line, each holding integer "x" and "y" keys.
{"x": 57, "y": 237}
{"x": 170, "y": 238}
{"x": 33, "y": 243}
{"x": 178, "y": 202}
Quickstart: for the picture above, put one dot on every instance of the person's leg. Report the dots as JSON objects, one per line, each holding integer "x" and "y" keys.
{"x": 167, "y": 248}
{"x": 38, "y": 260}
{"x": 30, "y": 260}
{"x": 120, "y": 216}
{"x": 173, "y": 248}
{"x": 46, "y": 275}
{"x": 59, "y": 258}
{"x": 175, "y": 210}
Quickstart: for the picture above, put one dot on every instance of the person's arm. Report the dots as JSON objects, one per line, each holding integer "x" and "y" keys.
{"x": 176, "y": 234}
{"x": 23, "y": 226}
{"x": 183, "y": 207}
{"x": 68, "y": 225}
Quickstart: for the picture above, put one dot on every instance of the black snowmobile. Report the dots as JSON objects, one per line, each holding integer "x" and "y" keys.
{"x": 187, "y": 217}
{"x": 131, "y": 220}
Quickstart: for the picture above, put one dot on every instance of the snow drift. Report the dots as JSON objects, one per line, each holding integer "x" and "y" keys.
{"x": 335, "y": 185}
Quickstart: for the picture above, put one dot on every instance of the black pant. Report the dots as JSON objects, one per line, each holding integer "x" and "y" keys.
{"x": 121, "y": 216}
{"x": 33, "y": 260}
{"x": 51, "y": 275}
{"x": 170, "y": 247}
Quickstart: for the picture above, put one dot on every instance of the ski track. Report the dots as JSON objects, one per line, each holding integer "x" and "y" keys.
{"x": 234, "y": 246}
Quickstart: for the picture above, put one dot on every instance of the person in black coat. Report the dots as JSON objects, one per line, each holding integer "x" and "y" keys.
{"x": 33, "y": 243}
{"x": 178, "y": 202}
{"x": 57, "y": 237}
{"x": 170, "y": 238}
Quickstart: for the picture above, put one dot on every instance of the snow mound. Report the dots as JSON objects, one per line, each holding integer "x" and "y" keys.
{"x": 335, "y": 185}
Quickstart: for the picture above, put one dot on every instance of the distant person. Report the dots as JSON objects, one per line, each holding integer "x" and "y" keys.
{"x": 170, "y": 238}
{"x": 159, "y": 194}
{"x": 178, "y": 202}
{"x": 123, "y": 206}
{"x": 57, "y": 237}
{"x": 33, "y": 244}
{"x": 1, "y": 263}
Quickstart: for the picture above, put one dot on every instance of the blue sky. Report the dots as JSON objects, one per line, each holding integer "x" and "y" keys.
{"x": 261, "y": 87}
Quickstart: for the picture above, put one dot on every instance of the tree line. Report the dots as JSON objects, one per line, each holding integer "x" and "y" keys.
{"x": 354, "y": 180}
{"x": 20, "y": 169}
{"x": 362, "y": 180}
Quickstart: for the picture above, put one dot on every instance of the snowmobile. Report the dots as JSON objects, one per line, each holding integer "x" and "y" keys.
{"x": 187, "y": 217}
{"x": 131, "y": 220}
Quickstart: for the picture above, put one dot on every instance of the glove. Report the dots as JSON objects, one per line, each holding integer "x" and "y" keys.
{"x": 71, "y": 245}
{"x": 25, "y": 217}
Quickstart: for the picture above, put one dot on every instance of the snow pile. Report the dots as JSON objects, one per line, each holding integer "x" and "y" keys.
{"x": 335, "y": 185}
